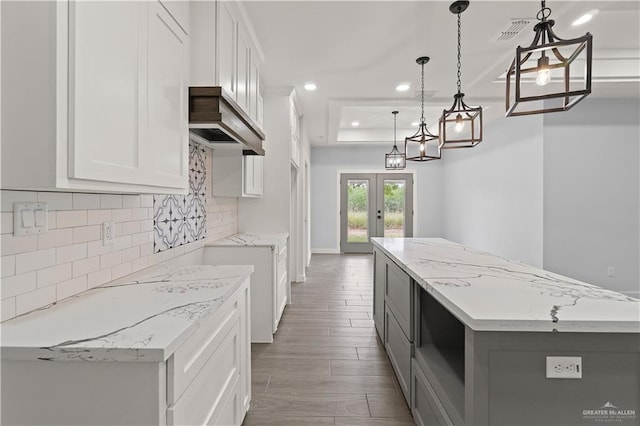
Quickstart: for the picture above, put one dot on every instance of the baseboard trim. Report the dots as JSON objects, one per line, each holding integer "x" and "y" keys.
{"x": 325, "y": 251}
{"x": 301, "y": 278}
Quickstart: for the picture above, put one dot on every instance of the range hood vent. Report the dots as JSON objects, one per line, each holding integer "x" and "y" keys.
{"x": 214, "y": 117}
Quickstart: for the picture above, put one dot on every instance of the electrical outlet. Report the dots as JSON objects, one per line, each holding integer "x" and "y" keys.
{"x": 107, "y": 233}
{"x": 611, "y": 271}
{"x": 564, "y": 367}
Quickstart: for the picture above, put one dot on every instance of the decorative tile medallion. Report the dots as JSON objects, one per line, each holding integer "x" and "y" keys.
{"x": 182, "y": 219}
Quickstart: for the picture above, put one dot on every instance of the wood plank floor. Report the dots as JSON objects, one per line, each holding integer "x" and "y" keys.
{"x": 326, "y": 365}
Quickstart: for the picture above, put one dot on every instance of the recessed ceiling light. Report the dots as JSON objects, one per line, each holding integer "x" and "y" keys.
{"x": 355, "y": 123}
{"x": 403, "y": 87}
{"x": 585, "y": 18}
{"x": 310, "y": 86}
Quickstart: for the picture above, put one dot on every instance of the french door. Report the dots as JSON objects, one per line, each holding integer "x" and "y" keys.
{"x": 374, "y": 205}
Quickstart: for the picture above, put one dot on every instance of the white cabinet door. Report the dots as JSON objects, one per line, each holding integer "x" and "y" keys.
{"x": 254, "y": 87}
{"x": 226, "y": 48}
{"x": 244, "y": 60}
{"x": 106, "y": 57}
{"x": 253, "y": 170}
{"x": 166, "y": 158}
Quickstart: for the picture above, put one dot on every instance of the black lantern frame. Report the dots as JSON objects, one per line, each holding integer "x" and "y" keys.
{"x": 548, "y": 44}
{"x": 423, "y": 136}
{"x": 395, "y": 160}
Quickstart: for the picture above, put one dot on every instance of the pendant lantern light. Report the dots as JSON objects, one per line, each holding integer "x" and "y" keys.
{"x": 428, "y": 144}
{"x": 394, "y": 160}
{"x": 543, "y": 71}
{"x": 465, "y": 120}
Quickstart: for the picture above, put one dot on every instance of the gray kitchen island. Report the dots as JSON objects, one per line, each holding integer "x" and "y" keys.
{"x": 479, "y": 339}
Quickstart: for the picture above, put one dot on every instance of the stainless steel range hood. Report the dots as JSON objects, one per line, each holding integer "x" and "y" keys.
{"x": 214, "y": 117}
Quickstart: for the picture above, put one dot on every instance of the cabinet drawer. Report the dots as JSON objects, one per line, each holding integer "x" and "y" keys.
{"x": 425, "y": 406}
{"x": 204, "y": 345}
{"x": 399, "y": 350}
{"x": 399, "y": 296}
{"x": 205, "y": 398}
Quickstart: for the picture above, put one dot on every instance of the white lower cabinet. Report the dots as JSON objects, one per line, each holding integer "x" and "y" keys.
{"x": 205, "y": 381}
{"x": 268, "y": 282}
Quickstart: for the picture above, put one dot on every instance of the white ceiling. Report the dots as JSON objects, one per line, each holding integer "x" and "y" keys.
{"x": 357, "y": 52}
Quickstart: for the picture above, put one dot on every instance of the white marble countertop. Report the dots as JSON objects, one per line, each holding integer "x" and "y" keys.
{"x": 272, "y": 239}
{"x": 491, "y": 293}
{"x": 142, "y": 317}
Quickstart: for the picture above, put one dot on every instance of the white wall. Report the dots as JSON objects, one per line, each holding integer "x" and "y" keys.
{"x": 492, "y": 194}
{"x": 325, "y": 164}
{"x": 591, "y": 192}
{"x": 271, "y": 212}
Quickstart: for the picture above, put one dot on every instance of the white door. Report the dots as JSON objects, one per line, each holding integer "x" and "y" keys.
{"x": 374, "y": 205}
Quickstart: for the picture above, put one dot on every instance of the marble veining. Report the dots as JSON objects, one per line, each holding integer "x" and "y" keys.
{"x": 488, "y": 292}
{"x": 143, "y": 317}
{"x": 253, "y": 239}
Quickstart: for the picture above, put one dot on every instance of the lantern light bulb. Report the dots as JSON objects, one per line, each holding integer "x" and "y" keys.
{"x": 459, "y": 127}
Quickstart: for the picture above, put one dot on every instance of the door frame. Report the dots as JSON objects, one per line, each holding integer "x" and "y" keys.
{"x": 341, "y": 172}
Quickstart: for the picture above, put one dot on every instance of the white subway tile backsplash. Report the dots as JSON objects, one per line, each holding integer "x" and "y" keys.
{"x": 72, "y": 218}
{"x": 18, "y": 284}
{"x": 15, "y": 245}
{"x": 35, "y": 299}
{"x": 86, "y": 266}
{"x": 122, "y": 215}
{"x": 98, "y": 217}
{"x": 6, "y": 223}
{"x": 97, "y": 278}
{"x": 110, "y": 259}
{"x": 52, "y": 220}
{"x": 55, "y": 238}
{"x": 71, "y": 287}
{"x": 96, "y": 248}
{"x": 56, "y": 200}
{"x": 141, "y": 238}
{"x": 129, "y": 228}
{"x": 86, "y": 201}
{"x": 110, "y": 201}
{"x": 71, "y": 257}
{"x": 141, "y": 263}
{"x": 146, "y": 225}
{"x": 87, "y": 233}
{"x": 146, "y": 200}
{"x": 121, "y": 243}
{"x": 120, "y": 270}
{"x": 35, "y": 260}
{"x": 53, "y": 275}
{"x": 8, "y": 308}
{"x": 130, "y": 201}
{"x": 71, "y": 253}
{"x": 130, "y": 254}
{"x": 10, "y": 197}
{"x": 140, "y": 213}
{"x": 8, "y": 266}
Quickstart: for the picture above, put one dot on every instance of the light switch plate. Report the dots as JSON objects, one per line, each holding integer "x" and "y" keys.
{"x": 107, "y": 233}
{"x": 30, "y": 218}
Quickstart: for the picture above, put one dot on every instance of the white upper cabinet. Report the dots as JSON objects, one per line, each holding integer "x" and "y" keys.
{"x": 226, "y": 48}
{"x": 167, "y": 99}
{"x": 114, "y": 94}
{"x": 225, "y": 52}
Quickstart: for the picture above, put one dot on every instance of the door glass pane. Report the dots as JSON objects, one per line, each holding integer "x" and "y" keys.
{"x": 357, "y": 211}
{"x": 394, "y": 194}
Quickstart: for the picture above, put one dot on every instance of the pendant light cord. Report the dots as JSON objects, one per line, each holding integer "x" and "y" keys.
{"x": 422, "y": 96}
{"x": 395, "y": 117}
{"x": 459, "y": 55}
